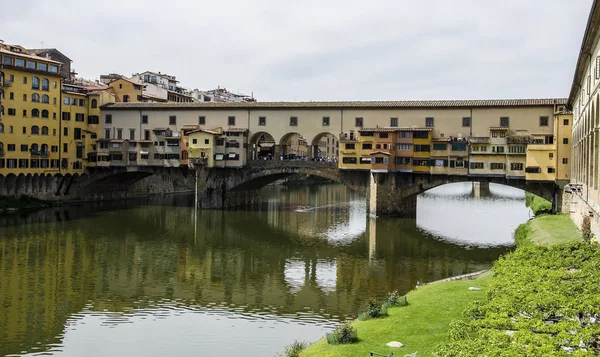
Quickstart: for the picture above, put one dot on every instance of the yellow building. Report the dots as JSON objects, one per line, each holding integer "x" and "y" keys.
{"x": 126, "y": 90}
{"x": 421, "y": 149}
{"x": 201, "y": 149}
{"x": 563, "y": 127}
{"x": 30, "y": 105}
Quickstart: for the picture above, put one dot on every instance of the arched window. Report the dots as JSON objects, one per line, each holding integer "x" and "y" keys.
{"x": 35, "y": 130}
{"x": 44, "y": 130}
{"x": 35, "y": 148}
{"x": 35, "y": 113}
{"x": 64, "y": 164}
{"x": 1, "y": 110}
{"x": 1, "y": 93}
{"x": 45, "y": 99}
{"x": 94, "y": 103}
{"x": 1, "y": 128}
{"x": 35, "y": 83}
{"x": 1, "y": 147}
{"x": 44, "y": 149}
{"x": 35, "y": 97}
{"x": 45, "y": 114}
{"x": 45, "y": 84}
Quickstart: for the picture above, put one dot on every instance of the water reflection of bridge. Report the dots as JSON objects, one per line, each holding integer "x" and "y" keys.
{"x": 54, "y": 268}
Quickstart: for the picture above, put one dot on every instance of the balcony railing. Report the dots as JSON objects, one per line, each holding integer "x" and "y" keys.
{"x": 35, "y": 153}
{"x": 44, "y": 154}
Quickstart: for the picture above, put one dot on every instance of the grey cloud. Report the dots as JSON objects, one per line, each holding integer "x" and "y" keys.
{"x": 320, "y": 50}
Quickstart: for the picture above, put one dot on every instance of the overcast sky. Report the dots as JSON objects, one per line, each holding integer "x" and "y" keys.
{"x": 319, "y": 49}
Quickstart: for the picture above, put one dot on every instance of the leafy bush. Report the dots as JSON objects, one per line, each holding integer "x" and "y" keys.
{"x": 542, "y": 301}
{"x": 586, "y": 229}
{"x": 373, "y": 310}
{"x": 344, "y": 333}
{"x": 394, "y": 299}
{"x": 294, "y": 349}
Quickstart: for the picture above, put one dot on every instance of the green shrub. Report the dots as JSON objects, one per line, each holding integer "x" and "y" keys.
{"x": 294, "y": 349}
{"x": 394, "y": 299}
{"x": 373, "y": 310}
{"x": 586, "y": 229}
{"x": 344, "y": 333}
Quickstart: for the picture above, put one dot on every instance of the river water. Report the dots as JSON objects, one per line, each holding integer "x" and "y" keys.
{"x": 155, "y": 277}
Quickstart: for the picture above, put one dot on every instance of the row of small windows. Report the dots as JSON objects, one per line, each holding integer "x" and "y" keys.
{"x": 20, "y": 62}
{"x": 78, "y": 101}
{"x": 359, "y": 121}
{"x": 38, "y": 164}
{"x": 35, "y": 113}
{"x": 34, "y": 148}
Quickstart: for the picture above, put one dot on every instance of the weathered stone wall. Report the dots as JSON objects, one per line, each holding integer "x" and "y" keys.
{"x": 100, "y": 184}
{"x": 578, "y": 206}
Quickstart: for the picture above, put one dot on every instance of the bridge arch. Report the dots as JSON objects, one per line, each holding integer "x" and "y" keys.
{"x": 293, "y": 144}
{"x": 261, "y": 146}
{"x": 396, "y": 194}
{"x": 324, "y": 144}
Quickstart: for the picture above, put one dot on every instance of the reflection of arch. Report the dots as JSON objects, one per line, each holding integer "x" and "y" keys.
{"x": 262, "y": 146}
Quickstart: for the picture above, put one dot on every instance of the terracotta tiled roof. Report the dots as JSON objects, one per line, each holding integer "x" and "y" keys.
{"x": 235, "y": 130}
{"x": 341, "y": 105}
{"x": 380, "y": 152}
{"x": 205, "y": 131}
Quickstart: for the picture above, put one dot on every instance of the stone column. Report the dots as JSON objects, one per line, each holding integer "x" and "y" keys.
{"x": 277, "y": 152}
{"x": 392, "y": 194}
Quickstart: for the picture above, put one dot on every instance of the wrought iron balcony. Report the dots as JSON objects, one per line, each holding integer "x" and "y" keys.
{"x": 35, "y": 153}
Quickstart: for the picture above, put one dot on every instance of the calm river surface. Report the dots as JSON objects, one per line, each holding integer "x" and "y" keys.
{"x": 154, "y": 278}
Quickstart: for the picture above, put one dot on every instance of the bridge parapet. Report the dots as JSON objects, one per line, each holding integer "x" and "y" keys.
{"x": 301, "y": 164}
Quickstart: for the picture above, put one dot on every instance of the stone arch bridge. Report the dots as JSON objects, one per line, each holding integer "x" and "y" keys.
{"x": 388, "y": 194}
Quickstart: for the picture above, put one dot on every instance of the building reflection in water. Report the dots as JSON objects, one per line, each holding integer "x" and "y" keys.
{"x": 467, "y": 220}
{"x": 308, "y": 258}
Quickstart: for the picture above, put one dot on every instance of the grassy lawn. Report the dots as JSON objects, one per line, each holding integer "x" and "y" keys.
{"x": 420, "y": 326}
{"x": 537, "y": 204}
{"x": 552, "y": 229}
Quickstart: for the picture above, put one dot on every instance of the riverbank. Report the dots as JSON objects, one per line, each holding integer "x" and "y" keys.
{"x": 433, "y": 321}
{"x": 10, "y": 205}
